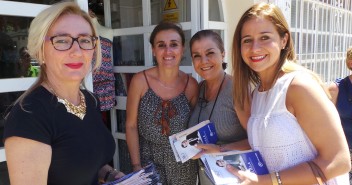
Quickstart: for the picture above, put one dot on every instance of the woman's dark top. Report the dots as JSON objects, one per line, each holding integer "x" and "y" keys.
{"x": 79, "y": 147}
{"x": 344, "y": 106}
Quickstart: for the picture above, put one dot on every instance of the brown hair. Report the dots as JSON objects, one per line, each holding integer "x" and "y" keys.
{"x": 165, "y": 25}
{"x": 209, "y": 34}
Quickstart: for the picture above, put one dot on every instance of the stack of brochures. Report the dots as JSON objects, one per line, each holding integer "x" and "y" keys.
{"x": 147, "y": 175}
{"x": 215, "y": 165}
{"x": 183, "y": 143}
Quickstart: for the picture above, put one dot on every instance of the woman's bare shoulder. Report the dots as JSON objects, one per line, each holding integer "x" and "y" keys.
{"x": 139, "y": 81}
{"x": 305, "y": 91}
{"x": 304, "y": 83}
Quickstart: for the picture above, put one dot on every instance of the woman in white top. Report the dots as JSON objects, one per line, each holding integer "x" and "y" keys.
{"x": 292, "y": 121}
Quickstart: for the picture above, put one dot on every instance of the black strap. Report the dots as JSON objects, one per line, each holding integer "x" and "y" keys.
{"x": 216, "y": 99}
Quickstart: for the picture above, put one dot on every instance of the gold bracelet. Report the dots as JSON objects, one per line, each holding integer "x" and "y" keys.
{"x": 273, "y": 178}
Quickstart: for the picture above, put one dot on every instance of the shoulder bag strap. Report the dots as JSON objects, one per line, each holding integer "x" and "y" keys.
{"x": 319, "y": 175}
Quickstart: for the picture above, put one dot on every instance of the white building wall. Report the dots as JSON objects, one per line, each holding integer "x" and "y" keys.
{"x": 233, "y": 10}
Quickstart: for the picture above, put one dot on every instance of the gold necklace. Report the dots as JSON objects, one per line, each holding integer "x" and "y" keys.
{"x": 165, "y": 86}
{"x": 79, "y": 111}
{"x": 168, "y": 87}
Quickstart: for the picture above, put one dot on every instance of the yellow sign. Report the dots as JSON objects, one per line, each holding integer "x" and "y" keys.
{"x": 169, "y": 5}
{"x": 172, "y": 17}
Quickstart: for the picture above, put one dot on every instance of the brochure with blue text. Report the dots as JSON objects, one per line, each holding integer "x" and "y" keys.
{"x": 183, "y": 143}
{"x": 146, "y": 176}
{"x": 215, "y": 165}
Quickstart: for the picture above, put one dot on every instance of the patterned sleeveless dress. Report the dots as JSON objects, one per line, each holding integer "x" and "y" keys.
{"x": 155, "y": 146}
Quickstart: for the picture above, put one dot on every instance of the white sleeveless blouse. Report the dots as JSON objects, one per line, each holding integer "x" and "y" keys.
{"x": 275, "y": 132}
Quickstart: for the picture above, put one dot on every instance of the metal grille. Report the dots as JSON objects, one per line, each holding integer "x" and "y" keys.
{"x": 322, "y": 32}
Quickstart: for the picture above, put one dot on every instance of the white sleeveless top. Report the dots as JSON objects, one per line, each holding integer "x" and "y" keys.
{"x": 275, "y": 132}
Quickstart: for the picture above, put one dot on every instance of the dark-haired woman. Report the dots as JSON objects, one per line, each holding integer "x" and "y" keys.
{"x": 215, "y": 102}
{"x": 159, "y": 104}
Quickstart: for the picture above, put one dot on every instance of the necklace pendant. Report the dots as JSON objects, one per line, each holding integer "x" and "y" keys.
{"x": 79, "y": 111}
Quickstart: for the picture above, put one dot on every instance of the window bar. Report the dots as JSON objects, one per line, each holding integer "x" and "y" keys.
{"x": 315, "y": 35}
{"x": 306, "y": 36}
{"x": 300, "y": 30}
{"x": 326, "y": 32}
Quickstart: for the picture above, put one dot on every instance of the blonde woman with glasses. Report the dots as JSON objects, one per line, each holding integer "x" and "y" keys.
{"x": 54, "y": 134}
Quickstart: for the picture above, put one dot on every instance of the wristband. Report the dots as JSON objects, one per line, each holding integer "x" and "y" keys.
{"x": 274, "y": 179}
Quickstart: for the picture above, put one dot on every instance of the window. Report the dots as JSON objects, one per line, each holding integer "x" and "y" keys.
{"x": 322, "y": 33}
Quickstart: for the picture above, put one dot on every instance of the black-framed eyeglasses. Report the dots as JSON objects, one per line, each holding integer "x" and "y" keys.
{"x": 65, "y": 42}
